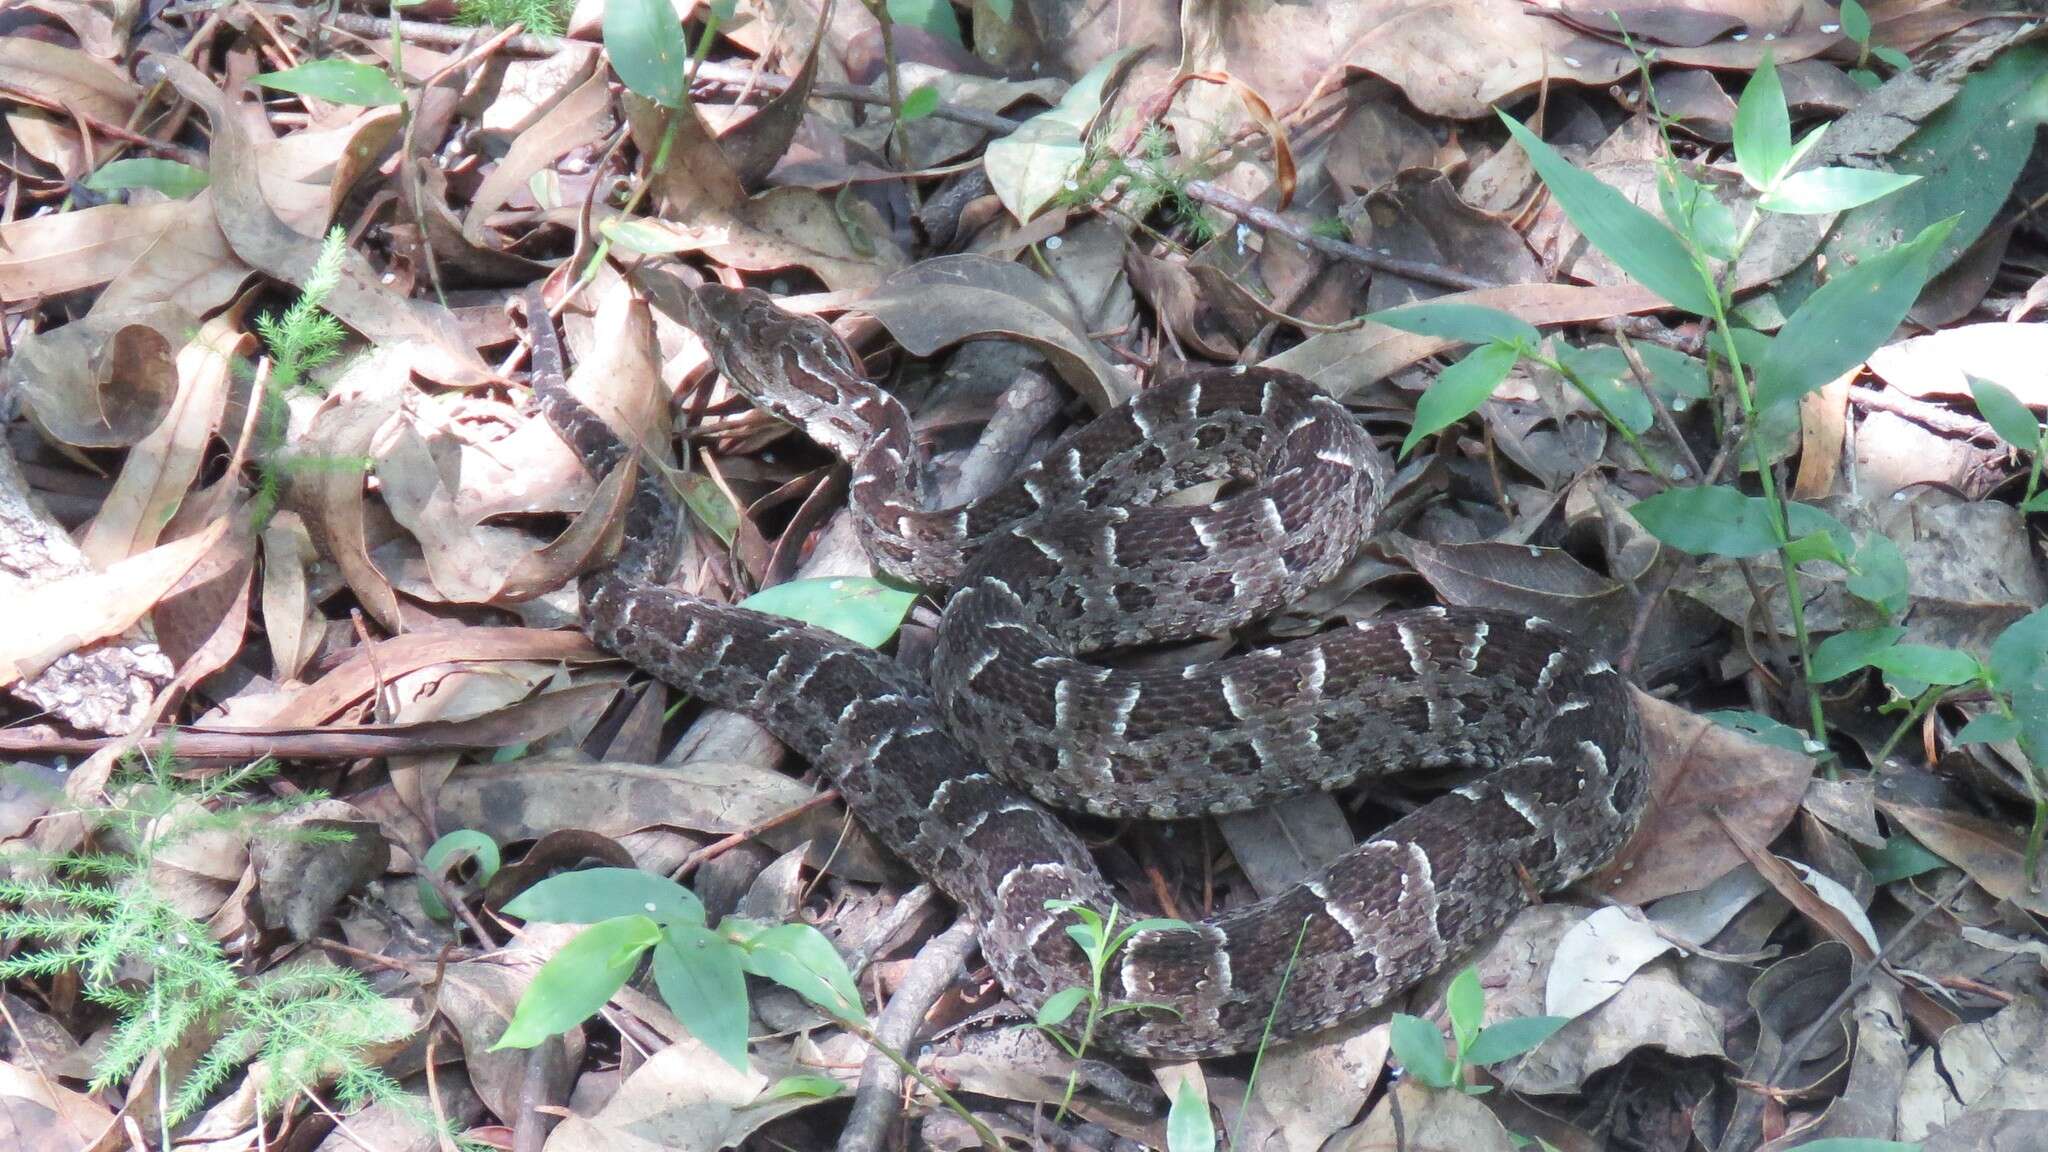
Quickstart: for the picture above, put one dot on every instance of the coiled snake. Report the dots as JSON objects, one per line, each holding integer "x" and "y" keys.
{"x": 1072, "y": 557}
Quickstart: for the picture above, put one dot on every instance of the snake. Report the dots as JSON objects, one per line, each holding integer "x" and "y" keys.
{"x": 1025, "y": 706}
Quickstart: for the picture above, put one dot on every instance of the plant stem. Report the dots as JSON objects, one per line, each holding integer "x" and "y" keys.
{"x": 1927, "y": 700}
{"x": 910, "y": 1069}
{"x": 1634, "y": 442}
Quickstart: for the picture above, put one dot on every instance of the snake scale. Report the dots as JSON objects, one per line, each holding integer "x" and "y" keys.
{"x": 1074, "y": 556}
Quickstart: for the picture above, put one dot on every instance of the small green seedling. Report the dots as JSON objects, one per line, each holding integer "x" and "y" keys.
{"x": 1419, "y": 1046}
{"x": 1100, "y": 940}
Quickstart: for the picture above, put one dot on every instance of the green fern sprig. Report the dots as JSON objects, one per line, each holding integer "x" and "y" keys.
{"x": 541, "y": 17}
{"x": 301, "y": 339}
{"x": 161, "y": 973}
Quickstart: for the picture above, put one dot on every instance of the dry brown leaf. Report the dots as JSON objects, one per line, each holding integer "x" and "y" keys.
{"x": 525, "y": 799}
{"x": 259, "y": 237}
{"x": 355, "y": 678}
{"x": 1344, "y": 361}
{"x": 1942, "y": 363}
{"x": 784, "y": 228}
{"x": 160, "y": 471}
{"x": 952, "y": 298}
{"x": 1994, "y": 854}
{"x": 73, "y": 611}
{"x": 53, "y": 76}
{"x": 576, "y": 120}
{"x": 37, "y": 1114}
{"x": 1704, "y": 779}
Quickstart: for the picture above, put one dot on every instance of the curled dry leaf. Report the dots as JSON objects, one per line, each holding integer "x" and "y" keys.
{"x": 259, "y": 237}
{"x": 576, "y": 120}
{"x": 91, "y": 386}
{"x": 1705, "y": 780}
{"x": 158, "y": 474}
{"x": 953, "y": 298}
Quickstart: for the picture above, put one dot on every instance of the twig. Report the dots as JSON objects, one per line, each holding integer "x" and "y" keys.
{"x": 721, "y": 846}
{"x": 1203, "y": 192}
{"x": 874, "y": 1103}
{"x": 1933, "y": 416}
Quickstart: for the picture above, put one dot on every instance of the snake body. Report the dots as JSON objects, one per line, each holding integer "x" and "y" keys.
{"x": 1073, "y": 556}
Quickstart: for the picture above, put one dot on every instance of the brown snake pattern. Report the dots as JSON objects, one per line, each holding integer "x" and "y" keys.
{"x": 1071, "y": 557}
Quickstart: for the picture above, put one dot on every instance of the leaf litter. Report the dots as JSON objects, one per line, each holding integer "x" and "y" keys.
{"x": 1826, "y": 933}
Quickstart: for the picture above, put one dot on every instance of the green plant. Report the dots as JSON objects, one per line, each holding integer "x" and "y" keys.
{"x": 1100, "y": 940}
{"x": 300, "y": 339}
{"x": 1688, "y": 258}
{"x": 2016, "y": 425}
{"x": 540, "y": 17}
{"x": 2014, "y": 679}
{"x": 97, "y": 912}
{"x": 699, "y": 970}
{"x": 1419, "y": 1046}
{"x": 1856, "y": 26}
{"x": 1152, "y": 180}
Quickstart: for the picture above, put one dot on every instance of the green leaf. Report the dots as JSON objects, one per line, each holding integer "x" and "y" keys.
{"x": 712, "y": 507}
{"x": 2019, "y": 657}
{"x": 1776, "y": 733}
{"x": 798, "y": 957}
{"x": 1029, "y": 167}
{"x": 1877, "y": 573}
{"x": 1459, "y": 390}
{"x": 1510, "y": 1038}
{"x": 920, "y": 102}
{"x": 1971, "y": 152}
{"x": 1465, "y": 1004}
{"x": 1674, "y": 373}
{"x": 1990, "y": 728}
{"x": 571, "y": 987}
{"x": 1150, "y": 924}
{"x": 2013, "y": 421}
{"x": 1845, "y": 652}
{"x": 337, "y": 81}
{"x": 1419, "y": 1048}
{"x": 1603, "y": 372}
{"x": 1892, "y": 57}
{"x": 1709, "y": 520}
{"x": 2036, "y": 503}
{"x": 1847, "y": 319}
{"x": 1465, "y": 323}
{"x": 1697, "y": 215}
{"x": 1900, "y": 858}
{"x": 645, "y": 42}
{"x": 1634, "y": 239}
{"x": 809, "y": 1084}
{"x": 934, "y": 16}
{"x": 1817, "y": 191}
{"x": 166, "y": 176}
{"x": 861, "y": 609}
{"x": 1060, "y": 1005}
{"x": 1855, "y": 22}
{"x": 603, "y": 893}
{"x": 1763, "y": 127}
{"x": 1189, "y": 1127}
{"x": 1927, "y": 664}
{"x": 703, "y": 980}
{"x": 449, "y": 851}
